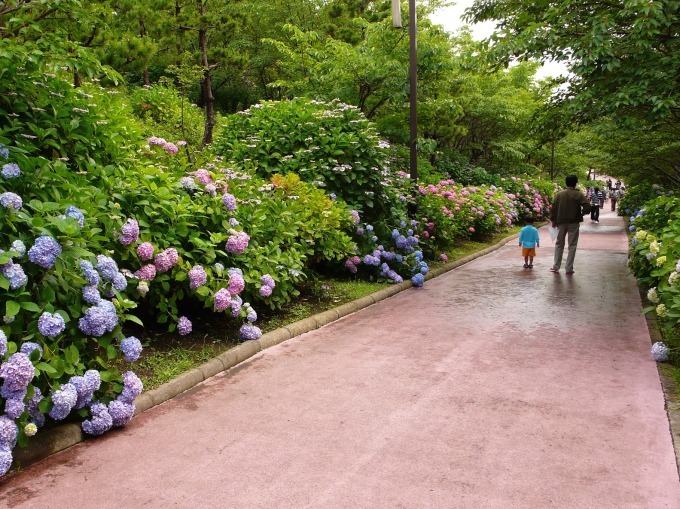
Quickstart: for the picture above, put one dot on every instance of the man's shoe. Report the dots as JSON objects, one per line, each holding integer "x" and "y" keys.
{"x": 554, "y": 269}
{"x": 569, "y": 273}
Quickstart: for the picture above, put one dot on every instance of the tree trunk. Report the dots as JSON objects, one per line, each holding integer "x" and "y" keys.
{"x": 77, "y": 80}
{"x": 206, "y": 85}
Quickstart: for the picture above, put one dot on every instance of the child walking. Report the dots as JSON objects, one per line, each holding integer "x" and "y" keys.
{"x": 529, "y": 241}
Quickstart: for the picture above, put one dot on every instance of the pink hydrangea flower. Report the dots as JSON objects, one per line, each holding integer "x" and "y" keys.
{"x": 197, "y": 277}
{"x": 237, "y": 244}
{"x": 170, "y": 148}
{"x": 443, "y": 257}
{"x": 145, "y": 251}
{"x": 165, "y": 260}
{"x": 129, "y": 232}
{"x": 236, "y": 284}
{"x": 203, "y": 176}
{"x": 222, "y": 299}
{"x": 265, "y": 291}
{"x": 147, "y": 272}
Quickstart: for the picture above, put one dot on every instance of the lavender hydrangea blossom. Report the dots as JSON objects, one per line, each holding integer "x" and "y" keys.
{"x": 63, "y": 401}
{"x": 34, "y": 409}
{"x": 15, "y": 275}
{"x": 3, "y": 344}
{"x": 121, "y": 412}
{"x": 236, "y": 284}
{"x": 249, "y": 332}
{"x": 8, "y": 432}
{"x": 17, "y": 371}
{"x": 14, "y": 408}
{"x": 19, "y": 247}
{"x": 11, "y": 201}
{"x": 145, "y": 251}
{"x": 5, "y": 459}
{"x": 132, "y": 387}
{"x": 267, "y": 280}
{"x": 89, "y": 272}
{"x": 184, "y": 326}
{"x": 76, "y": 214}
{"x": 131, "y": 348}
{"x": 100, "y": 422}
{"x": 197, "y": 277}
{"x": 119, "y": 282}
{"x": 44, "y": 252}
{"x": 266, "y": 291}
{"x": 99, "y": 319}
{"x": 107, "y": 267}
{"x": 86, "y": 386}
{"x": 237, "y": 243}
{"x": 229, "y": 201}
{"x": 91, "y": 294}
{"x": 29, "y": 346}
{"x": 51, "y": 325}
{"x": 129, "y": 232}
{"x": 222, "y": 299}
{"x": 11, "y": 170}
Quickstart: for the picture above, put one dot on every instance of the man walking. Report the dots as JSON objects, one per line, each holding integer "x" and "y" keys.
{"x": 616, "y": 194}
{"x": 568, "y": 209}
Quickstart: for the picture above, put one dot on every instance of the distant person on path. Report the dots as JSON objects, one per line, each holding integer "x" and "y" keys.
{"x": 615, "y": 196}
{"x": 568, "y": 209}
{"x": 609, "y": 184}
{"x": 529, "y": 241}
{"x": 595, "y": 199}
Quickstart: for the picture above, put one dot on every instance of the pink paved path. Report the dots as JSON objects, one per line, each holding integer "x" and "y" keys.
{"x": 491, "y": 387}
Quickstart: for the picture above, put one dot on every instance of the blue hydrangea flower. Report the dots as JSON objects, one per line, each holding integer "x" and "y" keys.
{"x": 401, "y": 242}
{"x": 91, "y": 294}
{"x": 120, "y": 282}
{"x": 17, "y": 371}
{"x": 11, "y": 201}
{"x": 233, "y": 221}
{"x": 4, "y": 151}
{"x": 369, "y": 228}
{"x": 99, "y": 319}
{"x": 15, "y": 275}
{"x": 218, "y": 267}
{"x": 131, "y": 348}
{"x": 660, "y": 352}
{"x": 399, "y": 258}
{"x": 63, "y": 401}
{"x": 86, "y": 386}
{"x": 5, "y": 459}
{"x": 19, "y": 247}
{"x": 29, "y": 346}
{"x": 8, "y": 432}
{"x": 632, "y": 228}
{"x": 121, "y": 412}
{"x": 89, "y": 272}
{"x": 418, "y": 280}
{"x": 132, "y": 387}
{"x": 252, "y": 315}
{"x": 235, "y": 270}
{"x": 249, "y": 332}
{"x": 107, "y": 267}
{"x": 7, "y": 393}
{"x": 44, "y": 252}
{"x": 75, "y": 213}
{"x": 3, "y": 344}
{"x": 11, "y": 170}
{"x": 395, "y": 233}
{"x": 14, "y": 408}
{"x": 51, "y": 325}
{"x": 418, "y": 256}
{"x": 33, "y": 408}
{"x": 100, "y": 422}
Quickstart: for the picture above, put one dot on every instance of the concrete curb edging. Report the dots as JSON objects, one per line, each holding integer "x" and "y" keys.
{"x": 66, "y": 435}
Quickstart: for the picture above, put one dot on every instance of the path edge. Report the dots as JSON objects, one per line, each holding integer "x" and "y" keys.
{"x": 67, "y": 435}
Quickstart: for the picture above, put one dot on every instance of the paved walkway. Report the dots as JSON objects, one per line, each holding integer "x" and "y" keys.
{"x": 491, "y": 387}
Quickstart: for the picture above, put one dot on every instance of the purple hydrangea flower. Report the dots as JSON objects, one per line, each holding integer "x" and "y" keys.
{"x": 132, "y": 387}
{"x": 660, "y": 352}
{"x": 267, "y": 280}
{"x": 266, "y": 291}
{"x": 8, "y": 393}
{"x": 129, "y": 232}
{"x": 236, "y": 284}
{"x": 11, "y": 201}
{"x": 229, "y": 201}
{"x": 418, "y": 280}
{"x": 8, "y": 432}
{"x": 14, "y": 408}
{"x": 165, "y": 260}
{"x": 401, "y": 242}
{"x": 234, "y": 270}
{"x": 29, "y": 346}
{"x": 100, "y": 422}
{"x": 145, "y": 251}
{"x": 249, "y": 332}
{"x": 76, "y": 214}
{"x": 11, "y": 170}
{"x": 86, "y": 386}
{"x": 203, "y": 176}
{"x": 33, "y": 408}
{"x": 251, "y": 315}
{"x": 106, "y": 267}
{"x": 19, "y": 247}
{"x": 120, "y": 282}
{"x": 155, "y": 140}
{"x": 44, "y": 252}
{"x": 4, "y": 151}
{"x": 5, "y": 459}
{"x": 51, "y": 325}
{"x": 184, "y": 326}
{"x": 146, "y": 273}
{"x": 99, "y": 319}
{"x": 63, "y": 402}
{"x": 131, "y": 348}
{"x": 89, "y": 272}
{"x": 355, "y": 216}
{"x": 222, "y": 299}
{"x": 360, "y": 231}
{"x": 188, "y": 183}
{"x": 170, "y": 148}
{"x": 15, "y": 275}
{"x": 91, "y": 294}
{"x": 121, "y": 412}
{"x": 197, "y": 277}
{"x": 3, "y": 344}
{"x": 233, "y": 221}
{"x": 237, "y": 244}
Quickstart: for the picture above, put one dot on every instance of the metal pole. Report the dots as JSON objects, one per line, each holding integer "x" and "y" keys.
{"x": 413, "y": 91}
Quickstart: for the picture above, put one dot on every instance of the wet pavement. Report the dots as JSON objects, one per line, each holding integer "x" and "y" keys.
{"x": 493, "y": 386}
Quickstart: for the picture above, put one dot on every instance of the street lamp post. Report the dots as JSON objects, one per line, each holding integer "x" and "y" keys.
{"x": 413, "y": 81}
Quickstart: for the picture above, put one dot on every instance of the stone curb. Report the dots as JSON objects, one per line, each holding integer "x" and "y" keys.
{"x": 62, "y": 437}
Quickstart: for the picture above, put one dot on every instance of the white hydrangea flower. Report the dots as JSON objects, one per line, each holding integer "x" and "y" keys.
{"x": 654, "y": 247}
{"x": 661, "y": 309}
{"x": 673, "y": 278}
{"x": 652, "y": 295}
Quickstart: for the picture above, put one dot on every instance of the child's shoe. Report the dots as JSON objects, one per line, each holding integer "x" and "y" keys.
{"x": 526, "y": 266}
